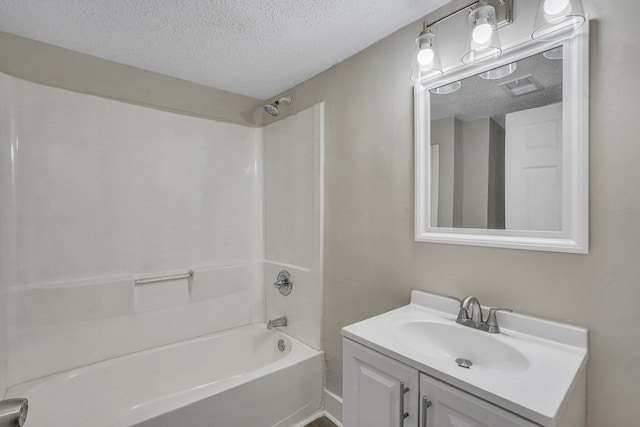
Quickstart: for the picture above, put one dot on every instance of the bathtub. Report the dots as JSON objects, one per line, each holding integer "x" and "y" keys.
{"x": 236, "y": 378}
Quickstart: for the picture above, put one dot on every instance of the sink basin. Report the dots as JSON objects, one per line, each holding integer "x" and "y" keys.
{"x": 450, "y": 341}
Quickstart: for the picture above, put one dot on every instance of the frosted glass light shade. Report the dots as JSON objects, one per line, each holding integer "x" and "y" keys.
{"x": 426, "y": 63}
{"x": 447, "y": 89}
{"x": 556, "y": 18}
{"x": 482, "y": 41}
{"x": 500, "y": 72}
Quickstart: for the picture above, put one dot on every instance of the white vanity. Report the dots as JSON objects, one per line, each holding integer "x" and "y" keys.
{"x": 402, "y": 369}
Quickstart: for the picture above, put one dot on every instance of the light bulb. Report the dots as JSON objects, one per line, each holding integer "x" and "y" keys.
{"x": 553, "y": 7}
{"x": 482, "y": 31}
{"x": 425, "y": 58}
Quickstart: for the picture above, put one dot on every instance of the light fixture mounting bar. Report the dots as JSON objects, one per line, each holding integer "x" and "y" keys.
{"x": 504, "y": 12}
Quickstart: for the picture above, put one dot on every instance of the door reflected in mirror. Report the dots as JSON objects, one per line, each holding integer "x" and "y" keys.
{"x": 496, "y": 147}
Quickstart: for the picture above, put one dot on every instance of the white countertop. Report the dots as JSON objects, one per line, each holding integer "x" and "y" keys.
{"x": 555, "y": 355}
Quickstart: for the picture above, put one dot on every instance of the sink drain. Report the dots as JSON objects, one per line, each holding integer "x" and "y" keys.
{"x": 464, "y": 363}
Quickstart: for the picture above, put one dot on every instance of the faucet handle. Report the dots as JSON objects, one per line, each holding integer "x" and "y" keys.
{"x": 492, "y": 320}
{"x": 462, "y": 314}
{"x": 284, "y": 283}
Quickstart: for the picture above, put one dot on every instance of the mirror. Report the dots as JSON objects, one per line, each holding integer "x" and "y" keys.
{"x": 501, "y": 151}
{"x": 497, "y": 143}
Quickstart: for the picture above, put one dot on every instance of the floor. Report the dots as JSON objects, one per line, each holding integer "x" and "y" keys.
{"x": 321, "y": 422}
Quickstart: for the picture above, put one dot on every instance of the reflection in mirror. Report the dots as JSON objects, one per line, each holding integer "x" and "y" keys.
{"x": 496, "y": 144}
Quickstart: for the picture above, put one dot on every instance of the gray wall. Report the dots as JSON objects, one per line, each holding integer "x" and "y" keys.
{"x": 443, "y": 134}
{"x": 475, "y": 149}
{"x": 372, "y": 262}
{"x": 495, "y": 213}
{"x": 54, "y": 66}
{"x": 471, "y": 172}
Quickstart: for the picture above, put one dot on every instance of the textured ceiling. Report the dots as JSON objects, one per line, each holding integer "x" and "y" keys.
{"x": 250, "y": 47}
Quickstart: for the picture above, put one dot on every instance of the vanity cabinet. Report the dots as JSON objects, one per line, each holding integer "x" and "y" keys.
{"x": 378, "y": 391}
{"x": 382, "y": 392}
{"x": 442, "y": 405}
{"x": 533, "y": 373}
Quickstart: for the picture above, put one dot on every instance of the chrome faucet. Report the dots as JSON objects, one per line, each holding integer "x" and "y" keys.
{"x": 472, "y": 306}
{"x": 470, "y": 315}
{"x": 13, "y": 412}
{"x": 280, "y": 321}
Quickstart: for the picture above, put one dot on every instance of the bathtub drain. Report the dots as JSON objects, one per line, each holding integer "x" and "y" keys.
{"x": 281, "y": 345}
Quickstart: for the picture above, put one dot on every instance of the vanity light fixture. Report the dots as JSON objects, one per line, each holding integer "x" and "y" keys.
{"x": 485, "y": 16}
{"x": 426, "y": 60}
{"x": 554, "y": 19}
{"x": 483, "y": 41}
{"x": 557, "y": 18}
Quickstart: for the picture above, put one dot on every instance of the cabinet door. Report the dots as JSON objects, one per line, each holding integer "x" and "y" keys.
{"x": 377, "y": 391}
{"x": 451, "y": 407}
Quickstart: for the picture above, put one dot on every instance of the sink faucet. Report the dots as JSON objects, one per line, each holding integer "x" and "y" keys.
{"x": 470, "y": 315}
{"x": 280, "y": 321}
{"x": 472, "y": 306}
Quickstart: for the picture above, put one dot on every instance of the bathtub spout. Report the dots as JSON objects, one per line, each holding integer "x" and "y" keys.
{"x": 13, "y": 412}
{"x": 280, "y": 321}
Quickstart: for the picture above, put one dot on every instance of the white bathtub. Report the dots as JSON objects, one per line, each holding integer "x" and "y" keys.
{"x": 236, "y": 378}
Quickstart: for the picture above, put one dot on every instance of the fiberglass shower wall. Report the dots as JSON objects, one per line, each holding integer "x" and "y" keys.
{"x": 96, "y": 193}
{"x": 294, "y": 150}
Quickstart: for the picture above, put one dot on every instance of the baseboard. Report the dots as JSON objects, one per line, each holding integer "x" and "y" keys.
{"x": 333, "y": 407}
{"x": 315, "y": 416}
{"x": 332, "y": 410}
{"x": 333, "y": 420}
{"x": 312, "y": 418}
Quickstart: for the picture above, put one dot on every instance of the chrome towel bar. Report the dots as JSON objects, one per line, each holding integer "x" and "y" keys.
{"x": 188, "y": 275}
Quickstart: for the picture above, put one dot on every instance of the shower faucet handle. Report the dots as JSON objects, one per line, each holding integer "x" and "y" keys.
{"x": 284, "y": 283}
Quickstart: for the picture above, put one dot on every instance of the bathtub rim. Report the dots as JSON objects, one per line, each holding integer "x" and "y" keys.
{"x": 298, "y": 352}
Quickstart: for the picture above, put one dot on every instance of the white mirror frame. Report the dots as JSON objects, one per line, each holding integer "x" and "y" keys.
{"x": 575, "y": 136}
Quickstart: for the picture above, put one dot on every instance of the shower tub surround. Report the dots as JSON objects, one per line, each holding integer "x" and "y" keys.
{"x": 96, "y": 194}
{"x": 222, "y": 380}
